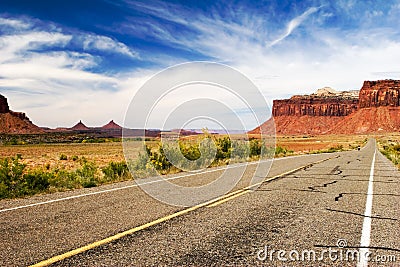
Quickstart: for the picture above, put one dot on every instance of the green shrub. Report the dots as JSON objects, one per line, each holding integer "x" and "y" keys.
{"x": 224, "y": 148}
{"x": 4, "y": 193}
{"x": 64, "y": 180}
{"x": 63, "y": 157}
{"x": 190, "y": 151}
{"x": 255, "y": 147}
{"x": 115, "y": 171}
{"x": 335, "y": 149}
{"x": 86, "y": 174}
{"x": 279, "y": 151}
{"x": 36, "y": 182}
{"x": 191, "y": 155}
{"x": 392, "y": 152}
{"x": 240, "y": 150}
{"x": 15, "y": 183}
{"x": 11, "y": 176}
{"x": 140, "y": 163}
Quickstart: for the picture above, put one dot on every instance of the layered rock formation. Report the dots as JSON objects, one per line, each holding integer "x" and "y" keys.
{"x": 314, "y": 106}
{"x": 15, "y": 122}
{"x": 380, "y": 93}
{"x": 311, "y": 114}
{"x": 376, "y": 108}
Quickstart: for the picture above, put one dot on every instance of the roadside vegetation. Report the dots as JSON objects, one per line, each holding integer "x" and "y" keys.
{"x": 332, "y": 149}
{"x": 391, "y": 149}
{"x": 26, "y": 170}
{"x": 208, "y": 151}
{"x": 17, "y": 181}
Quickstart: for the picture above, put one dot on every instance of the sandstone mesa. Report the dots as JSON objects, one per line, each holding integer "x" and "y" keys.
{"x": 373, "y": 109}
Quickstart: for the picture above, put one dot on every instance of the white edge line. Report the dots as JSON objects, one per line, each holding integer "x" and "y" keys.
{"x": 150, "y": 182}
{"x": 366, "y": 229}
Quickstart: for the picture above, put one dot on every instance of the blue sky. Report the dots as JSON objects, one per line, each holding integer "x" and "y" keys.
{"x": 62, "y": 61}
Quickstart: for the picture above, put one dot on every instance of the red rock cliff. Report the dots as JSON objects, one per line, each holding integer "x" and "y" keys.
{"x": 375, "y": 109}
{"x": 4, "y": 105}
{"x": 380, "y": 93}
{"x": 314, "y": 106}
{"x": 15, "y": 122}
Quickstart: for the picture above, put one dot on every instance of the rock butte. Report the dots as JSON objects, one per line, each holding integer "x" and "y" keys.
{"x": 375, "y": 108}
{"x": 4, "y": 105}
{"x": 15, "y": 122}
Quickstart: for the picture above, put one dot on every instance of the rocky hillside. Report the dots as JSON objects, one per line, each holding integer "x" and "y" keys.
{"x": 375, "y": 108}
{"x": 15, "y": 122}
{"x": 369, "y": 120}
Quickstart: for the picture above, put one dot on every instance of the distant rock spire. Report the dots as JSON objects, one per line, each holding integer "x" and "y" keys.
{"x": 80, "y": 126}
{"x": 111, "y": 125}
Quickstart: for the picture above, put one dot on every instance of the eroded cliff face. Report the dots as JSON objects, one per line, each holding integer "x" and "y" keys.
{"x": 15, "y": 122}
{"x": 380, "y": 93}
{"x": 314, "y": 106}
{"x": 375, "y": 108}
{"x": 4, "y": 105}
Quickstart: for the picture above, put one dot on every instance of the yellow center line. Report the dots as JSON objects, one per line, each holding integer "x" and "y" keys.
{"x": 112, "y": 238}
{"x": 128, "y": 232}
{"x": 227, "y": 199}
{"x": 211, "y": 203}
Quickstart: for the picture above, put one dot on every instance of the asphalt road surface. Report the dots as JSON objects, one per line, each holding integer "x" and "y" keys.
{"x": 331, "y": 212}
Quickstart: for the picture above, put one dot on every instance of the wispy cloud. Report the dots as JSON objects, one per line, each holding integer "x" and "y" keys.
{"x": 293, "y": 24}
{"x": 14, "y": 23}
{"x": 104, "y": 43}
{"x": 14, "y": 47}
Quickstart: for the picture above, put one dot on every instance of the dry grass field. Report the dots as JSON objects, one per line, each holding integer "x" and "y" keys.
{"x": 48, "y": 155}
{"x": 311, "y": 144}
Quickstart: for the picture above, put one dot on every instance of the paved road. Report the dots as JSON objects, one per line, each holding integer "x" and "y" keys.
{"x": 339, "y": 201}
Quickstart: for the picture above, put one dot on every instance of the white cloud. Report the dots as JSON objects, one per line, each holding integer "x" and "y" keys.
{"x": 293, "y": 24}
{"x": 14, "y": 47}
{"x": 14, "y": 23}
{"x": 103, "y": 43}
{"x": 160, "y": 9}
